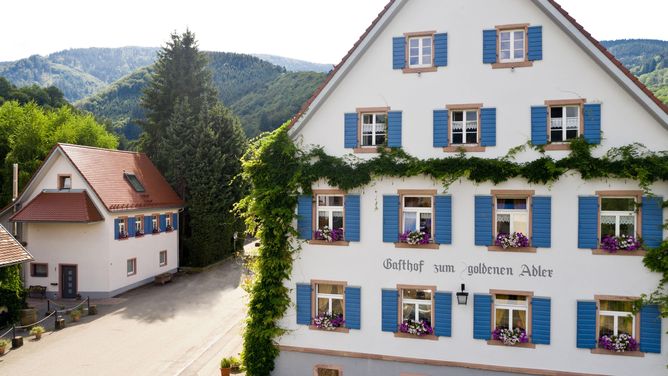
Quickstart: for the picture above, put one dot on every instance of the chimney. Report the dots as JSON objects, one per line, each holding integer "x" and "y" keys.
{"x": 15, "y": 182}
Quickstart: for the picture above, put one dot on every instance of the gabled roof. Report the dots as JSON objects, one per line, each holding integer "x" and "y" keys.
{"x": 59, "y": 206}
{"x": 568, "y": 24}
{"x": 11, "y": 251}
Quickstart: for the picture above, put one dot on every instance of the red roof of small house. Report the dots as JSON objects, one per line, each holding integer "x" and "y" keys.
{"x": 11, "y": 251}
{"x": 59, "y": 206}
{"x": 105, "y": 171}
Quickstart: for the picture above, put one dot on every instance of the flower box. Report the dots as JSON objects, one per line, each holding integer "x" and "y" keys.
{"x": 169, "y": 228}
{"x": 329, "y": 235}
{"x": 122, "y": 235}
{"x": 156, "y": 231}
{"x": 139, "y": 234}
{"x": 514, "y": 240}
{"x": 510, "y": 337}
{"x": 416, "y": 328}
{"x": 415, "y": 237}
{"x": 613, "y": 244}
{"x": 620, "y": 343}
{"x": 328, "y": 322}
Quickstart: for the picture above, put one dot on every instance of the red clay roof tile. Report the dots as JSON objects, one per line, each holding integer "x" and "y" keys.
{"x": 62, "y": 206}
{"x": 11, "y": 251}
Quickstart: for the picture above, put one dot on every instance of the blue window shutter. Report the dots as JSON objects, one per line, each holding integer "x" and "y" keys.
{"x": 541, "y": 221}
{"x": 175, "y": 221}
{"x": 117, "y": 234}
{"x": 482, "y": 316}
{"x": 489, "y": 46}
{"x": 483, "y": 220}
{"x": 652, "y": 221}
{"x": 541, "y": 317}
{"x": 440, "y": 128}
{"x": 394, "y": 129}
{"x": 443, "y": 220}
{"x": 592, "y": 123}
{"x": 305, "y": 217}
{"x": 390, "y": 308}
{"x": 443, "y": 314}
{"x": 586, "y": 326}
{"x": 441, "y": 50}
{"x": 163, "y": 222}
{"x": 390, "y": 219}
{"x": 650, "y": 329}
{"x": 353, "y": 299}
{"x": 350, "y": 132}
{"x": 588, "y": 222}
{"x": 399, "y": 53}
{"x": 539, "y": 125}
{"x": 488, "y": 127}
{"x": 352, "y": 219}
{"x": 535, "y": 39}
{"x": 147, "y": 224}
{"x": 303, "y": 304}
{"x": 131, "y": 226}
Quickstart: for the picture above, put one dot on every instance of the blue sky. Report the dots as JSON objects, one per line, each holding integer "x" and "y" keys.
{"x": 315, "y": 30}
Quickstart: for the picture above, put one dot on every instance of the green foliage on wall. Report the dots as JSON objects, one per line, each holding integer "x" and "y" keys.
{"x": 12, "y": 294}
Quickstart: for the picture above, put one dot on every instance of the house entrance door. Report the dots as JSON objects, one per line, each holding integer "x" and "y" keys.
{"x": 68, "y": 281}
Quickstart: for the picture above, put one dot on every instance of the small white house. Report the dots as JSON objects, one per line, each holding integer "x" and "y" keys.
{"x": 436, "y": 78}
{"x": 98, "y": 222}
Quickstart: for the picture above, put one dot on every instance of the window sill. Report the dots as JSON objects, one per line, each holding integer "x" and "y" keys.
{"x": 325, "y": 242}
{"x": 518, "y": 64}
{"x": 554, "y": 147}
{"x": 420, "y": 70}
{"x": 464, "y": 149}
{"x": 369, "y": 150}
{"x": 416, "y": 246}
{"x": 599, "y": 351}
{"x": 528, "y": 345}
{"x": 494, "y": 248}
{"x": 337, "y": 330}
{"x": 406, "y": 335}
{"x": 638, "y": 252}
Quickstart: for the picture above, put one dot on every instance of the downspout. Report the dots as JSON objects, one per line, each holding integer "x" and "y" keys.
{"x": 15, "y": 193}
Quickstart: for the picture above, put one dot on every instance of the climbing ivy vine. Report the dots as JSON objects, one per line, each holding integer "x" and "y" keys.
{"x": 277, "y": 170}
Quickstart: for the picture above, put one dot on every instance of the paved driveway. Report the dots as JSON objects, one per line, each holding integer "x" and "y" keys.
{"x": 181, "y": 328}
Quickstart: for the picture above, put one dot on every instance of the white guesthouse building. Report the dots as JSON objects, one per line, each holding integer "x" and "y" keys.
{"x": 435, "y": 77}
{"x": 98, "y": 222}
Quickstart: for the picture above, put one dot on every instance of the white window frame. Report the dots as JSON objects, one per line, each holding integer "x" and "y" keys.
{"x": 168, "y": 219}
{"x": 511, "y": 33}
{"x": 329, "y": 209}
{"x": 511, "y": 308}
{"x": 417, "y": 211}
{"x": 421, "y": 55}
{"x": 464, "y": 124}
{"x": 374, "y": 125}
{"x": 122, "y": 227}
{"x": 616, "y": 315}
{"x": 139, "y": 224}
{"x": 160, "y": 262}
{"x": 133, "y": 262}
{"x": 618, "y": 214}
{"x": 155, "y": 222}
{"x": 512, "y": 213}
{"x": 416, "y": 304}
{"x": 564, "y": 121}
{"x": 329, "y": 297}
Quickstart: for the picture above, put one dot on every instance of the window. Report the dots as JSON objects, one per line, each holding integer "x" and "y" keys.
{"x": 168, "y": 222}
{"x": 564, "y": 123}
{"x": 616, "y": 317}
{"x": 139, "y": 225}
{"x": 416, "y": 305}
{"x": 132, "y": 266}
{"x": 512, "y": 216}
{"x": 64, "y": 182}
{"x": 374, "y": 129}
{"x": 122, "y": 228}
{"x": 155, "y": 224}
{"x": 330, "y": 212}
{"x": 464, "y": 127}
{"x": 420, "y": 51}
{"x": 163, "y": 258}
{"x": 327, "y": 371}
{"x": 511, "y": 311}
{"x": 134, "y": 182}
{"x": 417, "y": 213}
{"x": 618, "y": 216}
{"x": 512, "y": 45}
{"x": 329, "y": 299}
{"x": 39, "y": 269}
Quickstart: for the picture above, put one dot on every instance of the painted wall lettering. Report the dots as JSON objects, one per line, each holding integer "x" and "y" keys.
{"x": 535, "y": 271}
{"x": 403, "y": 265}
{"x": 482, "y": 268}
{"x": 444, "y": 268}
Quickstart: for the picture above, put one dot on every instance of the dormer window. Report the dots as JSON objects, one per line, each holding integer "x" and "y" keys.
{"x": 64, "y": 182}
{"x": 134, "y": 182}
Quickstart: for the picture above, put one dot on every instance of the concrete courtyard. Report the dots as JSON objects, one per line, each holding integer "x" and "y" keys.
{"x": 181, "y": 328}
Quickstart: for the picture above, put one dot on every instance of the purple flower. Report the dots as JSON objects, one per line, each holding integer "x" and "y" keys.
{"x": 326, "y": 321}
{"x": 415, "y": 237}
{"x": 510, "y": 337}
{"x": 620, "y": 343}
{"x": 417, "y": 328}
{"x": 514, "y": 240}
{"x": 613, "y": 244}
{"x": 330, "y": 235}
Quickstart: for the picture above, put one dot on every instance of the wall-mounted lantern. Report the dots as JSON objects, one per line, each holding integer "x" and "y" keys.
{"x": 462, "y": 296}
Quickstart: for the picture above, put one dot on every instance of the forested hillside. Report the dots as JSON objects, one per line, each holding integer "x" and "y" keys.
{"x": 295, "y": 65}
{"x": 647, "y": 59}
{"x": 263, "y": 95}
